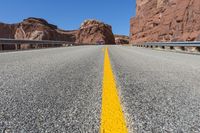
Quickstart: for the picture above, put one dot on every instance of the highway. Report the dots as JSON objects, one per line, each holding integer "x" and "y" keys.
{"x": 60, "y": 90}
{"x": 160, "y": 90}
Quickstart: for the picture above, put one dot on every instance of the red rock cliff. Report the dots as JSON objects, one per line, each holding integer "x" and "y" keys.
{"x": 166, "y": 20}
{"x": 7, "y": 30}
{"x": 40, "y": 29}
{"x": 93, "y": 31}
{"x": 121, "y": 39}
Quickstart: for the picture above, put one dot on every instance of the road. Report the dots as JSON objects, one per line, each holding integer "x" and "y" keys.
{"x": 52, "y": 90}
{"x": 60, "y": 90}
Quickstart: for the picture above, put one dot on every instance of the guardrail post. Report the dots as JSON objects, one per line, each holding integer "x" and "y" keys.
{"x": 36, "y": 46}
{"x": 19, "y": 46}
{"x": 1, "y": 47}
{"x": 161, "y": 47}
{"x": 167, "y": 47}
{"x": 198, "y": 49}
{"x": 16, "y": 47}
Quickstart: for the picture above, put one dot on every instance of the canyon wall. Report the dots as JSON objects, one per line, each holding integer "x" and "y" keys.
{"x": 166, "y": 20}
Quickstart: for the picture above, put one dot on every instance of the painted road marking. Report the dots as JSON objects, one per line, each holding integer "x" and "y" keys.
{"x": 112, "y": 117}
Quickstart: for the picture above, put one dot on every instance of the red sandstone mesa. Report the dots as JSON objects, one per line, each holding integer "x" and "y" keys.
{"x": 121, "y": 39}
{"x": 40, "y": 29}
{"x": 93, "y": 31}
{"x": 34, "y": 29}
{"x": 7, "y": 31}
{"x": 90, "y": 32}
{"x": 166, "y": 20}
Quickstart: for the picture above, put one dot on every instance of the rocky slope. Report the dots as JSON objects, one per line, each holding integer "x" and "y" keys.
{"x": 93, "y": 31}
{"x": 121, "y": 39}
{"x": 166, "y": 20}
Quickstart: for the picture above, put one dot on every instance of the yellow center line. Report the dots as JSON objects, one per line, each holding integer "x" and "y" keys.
{"x": 112, "y": 117}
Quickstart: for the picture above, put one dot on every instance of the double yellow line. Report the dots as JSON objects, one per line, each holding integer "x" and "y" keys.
{"x": 112, "y": 117}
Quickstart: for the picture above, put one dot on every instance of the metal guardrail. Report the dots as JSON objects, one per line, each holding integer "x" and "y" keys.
{"x": 170, "y": 44}
{"x": 14, "y": 41}
{"x": 13, "y": 44}
{"x": 190, "y": 47}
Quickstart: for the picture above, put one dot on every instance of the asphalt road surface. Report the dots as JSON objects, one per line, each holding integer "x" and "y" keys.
{"x": 59, "y": 90}
{"x": 51, "y": 91}
{"x": 160, "y": 90}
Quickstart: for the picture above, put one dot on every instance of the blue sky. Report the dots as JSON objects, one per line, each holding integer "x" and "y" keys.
{"x": 69, "y": 14}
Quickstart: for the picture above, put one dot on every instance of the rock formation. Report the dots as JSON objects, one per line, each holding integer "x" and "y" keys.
{"x": 90, "y": 32}
{"x": 34, "y": 29}
{"x": 7, "y": 30}
{"x": 93, "y": 31}
{"x": 121, "y": 39}
{"x": 166, "y": 20}
{"x": 40, "y": 29}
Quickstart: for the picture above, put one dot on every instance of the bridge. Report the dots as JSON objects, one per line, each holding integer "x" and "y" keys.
{"x": 107, "y": 89}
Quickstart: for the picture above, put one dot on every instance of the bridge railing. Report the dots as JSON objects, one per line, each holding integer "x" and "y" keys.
{"x": 184, "y": 46}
